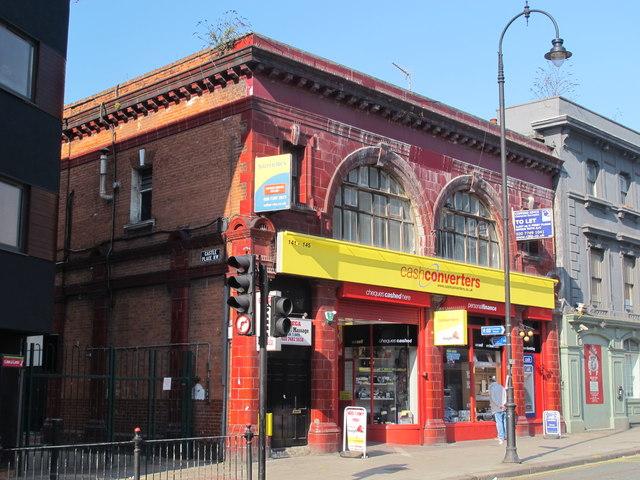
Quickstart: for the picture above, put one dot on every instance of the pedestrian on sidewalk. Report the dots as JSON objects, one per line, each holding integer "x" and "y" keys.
{"x": 498, "y": 400}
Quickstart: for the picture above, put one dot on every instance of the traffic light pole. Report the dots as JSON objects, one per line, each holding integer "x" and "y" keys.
{"x": 262, "y": 343}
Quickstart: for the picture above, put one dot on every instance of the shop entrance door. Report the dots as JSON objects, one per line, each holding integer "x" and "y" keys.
{"x": 289, "y": 395}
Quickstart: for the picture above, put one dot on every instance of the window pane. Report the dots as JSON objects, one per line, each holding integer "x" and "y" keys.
{"x": 364, "y": 228}
{"x": 353, "y": 176}
{"x": 407, "y": 238}
{"x": 393, "y": 186}
{"x": 350, "y": 196}
{"x": 384, "y": 182}
{"x": 338, "y": 200}
{"x": 349, "y": 225}
{"x": 10, "y": 213}
{"x": 337, "y": 223}
{"x": 473, "y": 205}
{"x": 373, "y": 178}
{"x": 483, "y": 229}
{"x": 380, "y": 205}
{"x": 459, "y": 225}
{"x": 406, "y": 211}
{"x": 465, "y": 202}
{"x": 483, "y": 252}
{"x": 364, "y": 176}
{"x": 457, "y": 201}
{"x": 472, "y": 250}
{"x": 471, "y": 227}
{"x": 495, "y": 255}
{"x": 395, "y": 208}
{"x": 379, "y": 232}
{"x": 16, "y": 62}
{"x": 449, "y": 247}
{"x": 458, "y": 247}
{"x": 364, "y": 201}
{"x": 394, "y": 235}
{"x": 145, "y": 205}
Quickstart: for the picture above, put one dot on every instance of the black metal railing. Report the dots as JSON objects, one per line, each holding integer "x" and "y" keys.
{"x": 224, "y": 458}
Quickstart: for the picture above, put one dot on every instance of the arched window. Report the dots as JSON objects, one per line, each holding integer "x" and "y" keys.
{"x": 467, "y": 232}
{"x": 632, "y": 368}
{"x": 371, "y": 207}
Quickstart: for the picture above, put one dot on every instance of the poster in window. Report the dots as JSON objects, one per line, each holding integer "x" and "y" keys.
{"x": 593, "y": 374}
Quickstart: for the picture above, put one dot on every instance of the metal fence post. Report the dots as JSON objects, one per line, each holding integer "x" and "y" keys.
{"x": 248, "y": 436}
{"x": 137, "y": 442}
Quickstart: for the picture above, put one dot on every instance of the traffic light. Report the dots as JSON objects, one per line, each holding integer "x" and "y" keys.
{"x": 279, "y": 310}
{"x": 244, "y": 285}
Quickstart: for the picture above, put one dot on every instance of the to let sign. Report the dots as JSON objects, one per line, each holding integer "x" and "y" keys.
{"x": 533, "y": 224}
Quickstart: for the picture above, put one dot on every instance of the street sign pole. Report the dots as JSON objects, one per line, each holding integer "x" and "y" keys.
{"x": 262, "y": 343}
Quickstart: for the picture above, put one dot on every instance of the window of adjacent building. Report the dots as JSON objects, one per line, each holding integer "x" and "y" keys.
{"x": 467, "y": 232}
{"x": 625, "y": 184}
{"x": 141, "y": 194}
{"x": 628, "y": 276}
{"x": 16, "y": 62}
{"x": 596, "y": 261}
{"x": 632, "y": 368}
{"x": 11, "y": 213}
{"x": 297, "y": 157}
{"x": 372, "y": 208}
{"x": 530, "y": 247}
{"x": 593, "y": 171}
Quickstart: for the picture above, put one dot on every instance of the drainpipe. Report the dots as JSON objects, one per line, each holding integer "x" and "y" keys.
{"x": 103, "y": 176}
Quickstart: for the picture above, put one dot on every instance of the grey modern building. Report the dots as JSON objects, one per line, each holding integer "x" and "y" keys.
{"x": 597, "y": 231}
{"x": 33, "y": 49}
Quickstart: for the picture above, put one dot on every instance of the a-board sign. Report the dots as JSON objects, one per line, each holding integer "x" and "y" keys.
{"x": 354, "y": 436}
{"x": 551, "y": 423}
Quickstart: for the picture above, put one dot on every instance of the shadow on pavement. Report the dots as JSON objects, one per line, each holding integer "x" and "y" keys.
{"x": 382, "y": 470}
{"x": 557, "y": 449}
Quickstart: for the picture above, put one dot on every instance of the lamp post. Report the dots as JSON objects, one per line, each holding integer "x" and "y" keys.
{"x": 558, "y": 54}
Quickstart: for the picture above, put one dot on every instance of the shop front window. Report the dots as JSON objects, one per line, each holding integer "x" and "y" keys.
{"x": 632, "y": 368}
{"x": 380, "y": 371}
{"x": 467, "y": 375}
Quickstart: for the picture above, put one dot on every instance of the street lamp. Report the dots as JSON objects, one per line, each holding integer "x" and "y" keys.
{"x": 558, "y": 54}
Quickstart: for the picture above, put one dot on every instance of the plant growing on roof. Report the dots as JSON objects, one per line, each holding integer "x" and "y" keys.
{"x": 222, "y": 35}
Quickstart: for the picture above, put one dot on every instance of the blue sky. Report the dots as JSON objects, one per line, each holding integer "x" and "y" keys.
{"x": 449, "y": 47}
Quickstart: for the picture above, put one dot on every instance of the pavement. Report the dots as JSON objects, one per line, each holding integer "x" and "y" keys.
{"x": 473, "y": 460}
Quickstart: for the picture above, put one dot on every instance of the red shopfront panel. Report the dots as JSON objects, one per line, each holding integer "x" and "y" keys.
{"x": 375, "y": 312}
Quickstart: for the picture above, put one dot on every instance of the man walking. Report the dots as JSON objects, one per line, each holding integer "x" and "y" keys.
{"x": 498, "y": 400}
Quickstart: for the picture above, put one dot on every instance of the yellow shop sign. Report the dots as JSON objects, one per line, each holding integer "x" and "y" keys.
{"x": 450, "y": 327}
{"x": 318, "y": 257}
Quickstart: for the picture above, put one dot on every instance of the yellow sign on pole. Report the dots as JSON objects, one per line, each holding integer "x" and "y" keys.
{"x": 450, "y": 327}
{"x": 318, "y": 257}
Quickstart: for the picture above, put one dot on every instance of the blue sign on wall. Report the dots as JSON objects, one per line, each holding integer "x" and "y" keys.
{"x": 500, "y": 341}
{"x": 491, "y": 330}
{"x": 533, "y": 224}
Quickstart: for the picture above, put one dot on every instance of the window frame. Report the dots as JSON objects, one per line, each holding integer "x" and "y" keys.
{"x": 298, "y": 154}
{"x": 135, "y": 207}
{"x": 628, "y": 278}
{"x": 449, "y": 210}
{"x": 592, "y": 186}
{"x": 348, "y": 200}
{"x": 33, "y": 63}
{"x": 624, "y": 195}
{"x": 599, "y": 276}
{"x": 631, "y": 368}
{"x": 22, "y": 217}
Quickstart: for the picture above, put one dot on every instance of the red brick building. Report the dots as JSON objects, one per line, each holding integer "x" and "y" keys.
{"x": 380, "y": 176}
